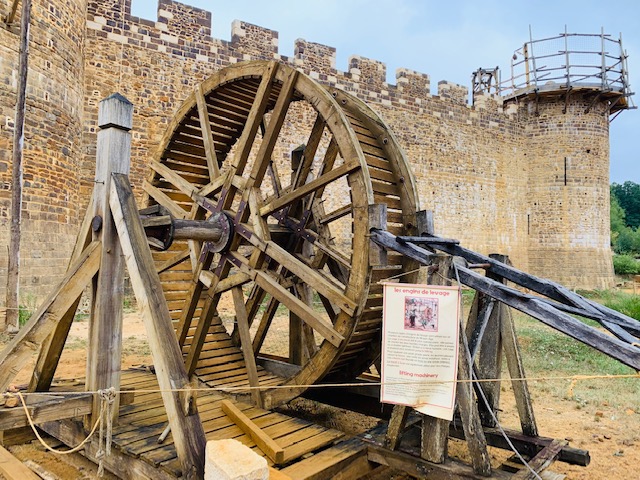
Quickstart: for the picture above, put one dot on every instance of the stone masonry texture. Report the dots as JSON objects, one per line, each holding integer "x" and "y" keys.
{"x": 512, "y": 178}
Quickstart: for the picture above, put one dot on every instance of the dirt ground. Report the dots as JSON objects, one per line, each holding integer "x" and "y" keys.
{"x": 612, "y": 436}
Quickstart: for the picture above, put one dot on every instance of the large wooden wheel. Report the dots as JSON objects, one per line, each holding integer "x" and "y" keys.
{"x": 292, "y": 167}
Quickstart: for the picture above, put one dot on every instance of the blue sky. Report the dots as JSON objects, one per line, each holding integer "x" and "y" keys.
{"x": 446, "y": 39}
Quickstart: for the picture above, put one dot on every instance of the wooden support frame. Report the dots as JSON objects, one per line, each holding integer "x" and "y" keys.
{"x": 42, "y": 323}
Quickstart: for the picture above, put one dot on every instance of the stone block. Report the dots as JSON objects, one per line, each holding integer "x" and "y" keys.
{"x": 231, "y": 460}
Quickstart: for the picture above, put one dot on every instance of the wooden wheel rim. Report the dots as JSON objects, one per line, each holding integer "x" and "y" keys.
{"x": 234, "y": 101}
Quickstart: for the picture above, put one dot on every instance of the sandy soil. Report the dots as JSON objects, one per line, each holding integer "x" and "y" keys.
{"x": 611, "y": 435}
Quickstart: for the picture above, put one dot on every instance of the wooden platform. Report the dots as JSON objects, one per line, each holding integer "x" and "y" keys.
{"x": 136, "y": 451}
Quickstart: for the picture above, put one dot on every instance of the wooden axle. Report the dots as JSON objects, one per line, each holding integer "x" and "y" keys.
{"x": 162, "y": 229}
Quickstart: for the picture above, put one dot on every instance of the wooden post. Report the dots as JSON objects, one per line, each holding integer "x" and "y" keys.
{"x": 435, "y": 431}
{"x": 377, "y": 219}
{"x": 13, "y": 268}
{"x": 115, "y": 117}
{"x": 186, "y": 428}
{"x": 489, "y": 364}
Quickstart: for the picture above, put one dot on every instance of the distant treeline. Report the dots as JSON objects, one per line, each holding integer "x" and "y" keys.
{"x": 625, "y": 226}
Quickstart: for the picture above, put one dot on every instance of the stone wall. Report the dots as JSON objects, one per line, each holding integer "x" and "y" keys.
{"x": 52, "y": 146}
{"x": 484, "y": 170}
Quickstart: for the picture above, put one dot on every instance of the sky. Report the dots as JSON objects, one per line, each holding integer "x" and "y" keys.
{"x": 446, "y": 39}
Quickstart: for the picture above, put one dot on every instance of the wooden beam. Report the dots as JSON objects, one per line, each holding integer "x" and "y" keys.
{"x": 516, "y": 370}
{"x": 541, "y": 461}
{"x": 13, "y": 469}
{"x": 46, "y": 408}
{"x": 113, "y": 155}
{"x": 301, "y": 309}
{"x": 13, "y": 261}
{"x": 51, "y": 350}
{"x": 18, "y": 352}
{"x": 435, "y": 431}
{"x": 188, "y": 434}
{"x": 320, "y": 182}
{"x": 264, "y": 442}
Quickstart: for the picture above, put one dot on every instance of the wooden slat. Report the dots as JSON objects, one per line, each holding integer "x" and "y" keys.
{"x": 45, "y": 409}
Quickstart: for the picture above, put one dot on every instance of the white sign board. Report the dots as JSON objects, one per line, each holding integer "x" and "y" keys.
{"x": 420, "y": 347}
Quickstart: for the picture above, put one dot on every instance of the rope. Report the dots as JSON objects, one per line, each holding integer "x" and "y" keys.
{"x": 107, "y": 398}
{"x": 573, "y": 378}
{"x": 103, "y": 409}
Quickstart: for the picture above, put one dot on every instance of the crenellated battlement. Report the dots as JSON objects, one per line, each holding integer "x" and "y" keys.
{"x": 183, "y": 30}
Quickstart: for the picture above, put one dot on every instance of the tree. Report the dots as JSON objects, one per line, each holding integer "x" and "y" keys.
{"x": 618, "y": 221}
{"x": 628, "y": 196}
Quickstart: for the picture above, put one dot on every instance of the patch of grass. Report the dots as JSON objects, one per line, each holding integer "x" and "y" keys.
{"x": 135, "y": 346}
{"x": 76, "y": 344}
{"x": 28, "y": 305}
{"x": 548, "y": 353}
{"x": 129, "y": 304}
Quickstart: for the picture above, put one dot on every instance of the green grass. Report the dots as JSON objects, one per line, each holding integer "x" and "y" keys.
{"x": 548, "y": 353}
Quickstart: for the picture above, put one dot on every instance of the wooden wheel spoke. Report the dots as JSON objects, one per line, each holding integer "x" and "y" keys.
{"x": 265, "y": 323}
{"x": 254, "y": 119}
{"x": 207, "y": 135}
{"x": 164, "y": 200}
{"x": 315, "y": 186}
{"x": 173, "y": 261}
{"x": 263, "y": 158}
{"x": 304, "y": 168}
{"x": 247, "y": 347}
{"x": 181, "y": 184}
{"x": 301, "y": 309}
{"x": 304, "y": 272}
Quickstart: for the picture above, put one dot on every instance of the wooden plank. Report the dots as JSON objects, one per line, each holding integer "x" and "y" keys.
{"x": 264, "y": 442}
{"x": 541, "y": 461}
{"x": 186, "y": 428}
{"x": 516, "y": 370}
{"x": 43, "y": 321}
{"x": 45, "y": 409}
{"x": 13, "y": 469}
{"x": 113, "y": 155}
{"x": 247, "y": 349}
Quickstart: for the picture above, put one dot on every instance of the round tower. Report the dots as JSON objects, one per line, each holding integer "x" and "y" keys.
{"x": 53, "y": 126}
{"x": 564, "y": 89}
{"x": 567, "y": 152}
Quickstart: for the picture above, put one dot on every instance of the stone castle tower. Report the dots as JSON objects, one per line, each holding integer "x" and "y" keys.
{"x": 53, "y": 146}
{"x": 524, "y": 175}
